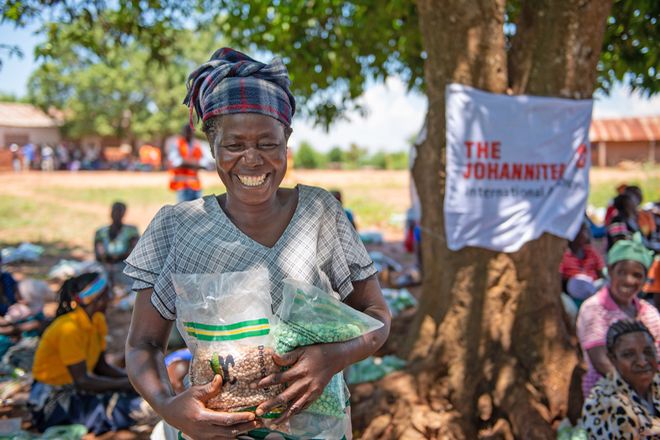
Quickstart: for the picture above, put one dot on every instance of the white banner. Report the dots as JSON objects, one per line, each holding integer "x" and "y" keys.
{"x": 517, "y": 166}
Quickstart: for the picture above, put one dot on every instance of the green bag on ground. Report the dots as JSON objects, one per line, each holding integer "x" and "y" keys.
{"x": 374, "y": 368}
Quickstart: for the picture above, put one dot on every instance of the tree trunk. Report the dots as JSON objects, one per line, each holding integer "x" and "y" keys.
{"x": 490, "y": 354}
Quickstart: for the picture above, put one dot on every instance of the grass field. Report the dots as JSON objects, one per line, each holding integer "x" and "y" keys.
{"x": 63, "y": 209}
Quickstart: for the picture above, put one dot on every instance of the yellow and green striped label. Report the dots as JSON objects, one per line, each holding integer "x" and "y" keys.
{"x": 229, "y": 332}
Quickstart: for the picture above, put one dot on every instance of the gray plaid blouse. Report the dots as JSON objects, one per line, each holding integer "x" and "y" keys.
{"x": 319, "y": 246}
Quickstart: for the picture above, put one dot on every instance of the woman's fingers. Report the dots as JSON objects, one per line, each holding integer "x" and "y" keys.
{"x": 282, "y": 377}
{"x": 297, "y": 406}
{"x": 288, "y": 359}
{"x": 204, "y": 393}
{"x": 290, "y": 394}
{"x": 227, "y": 419}
{"x": 215, "y": 432}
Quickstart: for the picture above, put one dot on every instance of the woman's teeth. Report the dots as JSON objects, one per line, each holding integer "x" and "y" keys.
{"x": 252, "y": 180}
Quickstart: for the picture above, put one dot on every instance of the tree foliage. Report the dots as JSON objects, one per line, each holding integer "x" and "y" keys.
{"x": 630, "y": 48}
{"x": 123, "y": 94}
{"x": 335, "y": 155}
{"x": 307, "y": 157}
{"x": 333, "y": 48}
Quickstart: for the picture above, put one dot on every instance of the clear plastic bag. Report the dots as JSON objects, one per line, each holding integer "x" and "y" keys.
{"x": 307, "y": 316}
{"x": 226, "y": 321}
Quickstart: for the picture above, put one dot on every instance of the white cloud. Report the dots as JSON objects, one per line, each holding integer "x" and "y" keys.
{"x": 393, "y": 116}
{"x": 622, "y": 103}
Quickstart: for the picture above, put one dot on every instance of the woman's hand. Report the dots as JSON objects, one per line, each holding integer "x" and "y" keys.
{"x": 187, "y": 412}
{"x": 311, "y": 369}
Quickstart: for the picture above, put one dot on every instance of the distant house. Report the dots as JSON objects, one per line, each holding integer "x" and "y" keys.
{"x": 628, "y": 139}
{"x": 22, "y": 123}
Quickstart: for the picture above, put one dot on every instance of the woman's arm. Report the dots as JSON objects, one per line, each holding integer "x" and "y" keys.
{"x": 145, "y": 348}
{"x": 103, "y": 368}
{"x": 94, "y": 383}
{"x": 367, "y": 298}
{"x": 600, "y": 361}
{"x": 312, "y": 367}
{"x": 145, "y": 365}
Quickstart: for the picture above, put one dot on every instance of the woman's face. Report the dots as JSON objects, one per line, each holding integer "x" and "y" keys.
{"x": 635, "y": 360}
{"x": 627, "y": 278}
{"x": 250, "y": 156}
{"x": 100, "y": 303}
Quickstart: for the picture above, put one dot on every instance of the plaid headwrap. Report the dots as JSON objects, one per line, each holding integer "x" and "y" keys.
{"x": 232, "y": 82}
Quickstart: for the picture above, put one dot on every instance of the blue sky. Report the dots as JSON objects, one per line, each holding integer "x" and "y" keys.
{"x": 393, "y": 117}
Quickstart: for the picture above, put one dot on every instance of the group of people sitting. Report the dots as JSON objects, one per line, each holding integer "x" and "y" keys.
{"x": 583, "y": 270}
{"x": 73, "y": 381}
{"x": 618, "y": 330}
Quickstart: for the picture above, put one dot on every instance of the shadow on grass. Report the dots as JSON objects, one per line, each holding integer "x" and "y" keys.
{"x": 53, "y": 253}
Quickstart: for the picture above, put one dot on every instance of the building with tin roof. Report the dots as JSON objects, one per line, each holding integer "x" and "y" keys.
{"x": 23, "y": 123}
{"x": 627, "y": 139}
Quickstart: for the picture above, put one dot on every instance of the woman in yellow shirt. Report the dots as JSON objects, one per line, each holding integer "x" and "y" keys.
{"x": 73, "y": 383}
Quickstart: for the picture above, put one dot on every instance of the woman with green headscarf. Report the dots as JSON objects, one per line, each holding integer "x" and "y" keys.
{"x": 628, "y": 262}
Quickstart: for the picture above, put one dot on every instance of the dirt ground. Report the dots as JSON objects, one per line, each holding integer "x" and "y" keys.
{"x": 392, "y": 186}
{"x": 38, "y": 187}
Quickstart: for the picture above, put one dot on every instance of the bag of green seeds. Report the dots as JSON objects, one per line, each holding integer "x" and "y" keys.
{"x": 308, "y": 316}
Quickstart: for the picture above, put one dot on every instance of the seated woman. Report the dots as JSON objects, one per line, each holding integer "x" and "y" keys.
{"x": 21, "y": 326}
{"x": 581, "y": 267}
{"x": 73, "y": 382}
{"x": 113, "y": 243}
{"x": 628, "y": 262}
{"x": 626, "y": 403}
{"x": 8, "y": 288}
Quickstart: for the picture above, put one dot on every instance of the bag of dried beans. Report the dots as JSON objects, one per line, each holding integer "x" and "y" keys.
{"x": 226, "y": 320}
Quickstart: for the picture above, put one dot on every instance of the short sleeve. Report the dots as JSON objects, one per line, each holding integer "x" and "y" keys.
{"x": 71, "y": 345}
{"x": 351, "y": 261}
{"x": 592, "y": 324}
{"x": 151, "y": 263}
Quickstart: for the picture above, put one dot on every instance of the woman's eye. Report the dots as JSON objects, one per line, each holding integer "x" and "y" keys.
{"x": 268, "y": 146}
{"x": 232, "y": 147}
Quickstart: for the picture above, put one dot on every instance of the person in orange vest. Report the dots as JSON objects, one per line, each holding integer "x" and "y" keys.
{"x": 184, "y": 160}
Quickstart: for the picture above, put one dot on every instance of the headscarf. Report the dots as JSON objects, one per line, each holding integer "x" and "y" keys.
{"x": 232, "y": 82}
{"x": 631, "y": 250}
{"x": 92, "y": 291}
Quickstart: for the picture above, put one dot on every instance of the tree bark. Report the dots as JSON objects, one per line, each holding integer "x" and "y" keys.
{"x": 489, "y": 345}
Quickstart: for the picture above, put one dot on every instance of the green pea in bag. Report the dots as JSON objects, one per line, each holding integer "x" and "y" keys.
{"x": 308, "y": 316}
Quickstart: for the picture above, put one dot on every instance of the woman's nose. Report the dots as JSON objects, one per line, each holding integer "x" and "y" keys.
{"x": 641, "y": 360}
{"x": 252, "y": 156}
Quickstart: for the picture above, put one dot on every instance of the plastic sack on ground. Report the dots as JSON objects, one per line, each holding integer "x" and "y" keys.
{"x": 65, "y": 269}
{"x": 24, "y": 252}
{"x": 65, "y": 432}
{"x": 374, "y": 368}
{"x": 226, "y": 321}
{"x": 566, "y": 431}
{"x": 308, "y": 316}
{"x": 399, "y": 300}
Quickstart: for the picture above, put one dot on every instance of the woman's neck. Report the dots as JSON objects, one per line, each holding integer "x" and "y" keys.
{"x": 627, "y": 306}
{"x": 251, "y": 214}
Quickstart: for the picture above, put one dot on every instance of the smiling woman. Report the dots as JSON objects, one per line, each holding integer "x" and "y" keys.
{"x": 626, "y": 404}
{"x": 628, "y": 262}
{"x": 300, "y": 233}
